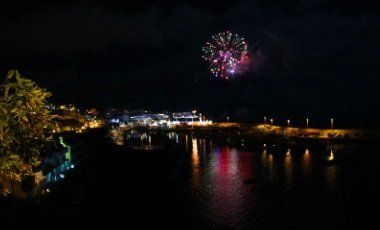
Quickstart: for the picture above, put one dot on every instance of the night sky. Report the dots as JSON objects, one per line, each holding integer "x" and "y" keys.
{"x": 315, "y": 58}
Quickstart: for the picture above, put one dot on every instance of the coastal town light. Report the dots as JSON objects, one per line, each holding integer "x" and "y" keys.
{"x": 271, "y": 121}
{"x": 307, "y": 123}
{"x": 288, "y": 122}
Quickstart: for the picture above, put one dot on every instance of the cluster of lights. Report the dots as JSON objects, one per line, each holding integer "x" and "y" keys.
{"x": 225, "y": 53}
{"x": 68, "y": 108}
{"x": 192, "y": 123}
{"x": 162, "y": 120}
{"x": 307, "y": 122}
{"x": 89, "y": 124}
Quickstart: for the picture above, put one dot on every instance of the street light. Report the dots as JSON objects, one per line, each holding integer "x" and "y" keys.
{"x": 271, "y": 121}
{"x": 332, "y": 123}
{"x": 288, "y": 122}
{"x": 307, "y": 123}
{"x": 228, "y": 119}
{"x": 265, "y": 120}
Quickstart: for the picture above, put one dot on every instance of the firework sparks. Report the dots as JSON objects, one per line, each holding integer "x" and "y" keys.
{"x": 225, "y": 53}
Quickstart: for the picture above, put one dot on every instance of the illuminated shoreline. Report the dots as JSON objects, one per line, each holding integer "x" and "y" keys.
{"x": 270, "y": 130}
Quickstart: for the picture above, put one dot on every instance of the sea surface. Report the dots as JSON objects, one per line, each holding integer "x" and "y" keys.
{"x": 188, "y": 181}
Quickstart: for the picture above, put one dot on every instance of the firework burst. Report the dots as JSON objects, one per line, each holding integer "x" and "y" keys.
{"x": 225, "y": 53}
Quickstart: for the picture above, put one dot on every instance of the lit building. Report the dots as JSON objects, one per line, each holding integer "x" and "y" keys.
{"x": 185, "y": 117}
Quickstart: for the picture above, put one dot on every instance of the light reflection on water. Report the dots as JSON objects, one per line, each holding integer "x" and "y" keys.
{"x": 306, "y": 161}
{"x": 228, "y": 184}
{"x": 195, "y": 161}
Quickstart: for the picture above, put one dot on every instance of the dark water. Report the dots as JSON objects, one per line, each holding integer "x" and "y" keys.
{"x": 211, "y": 183}
{"x": 244, "y": 185}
